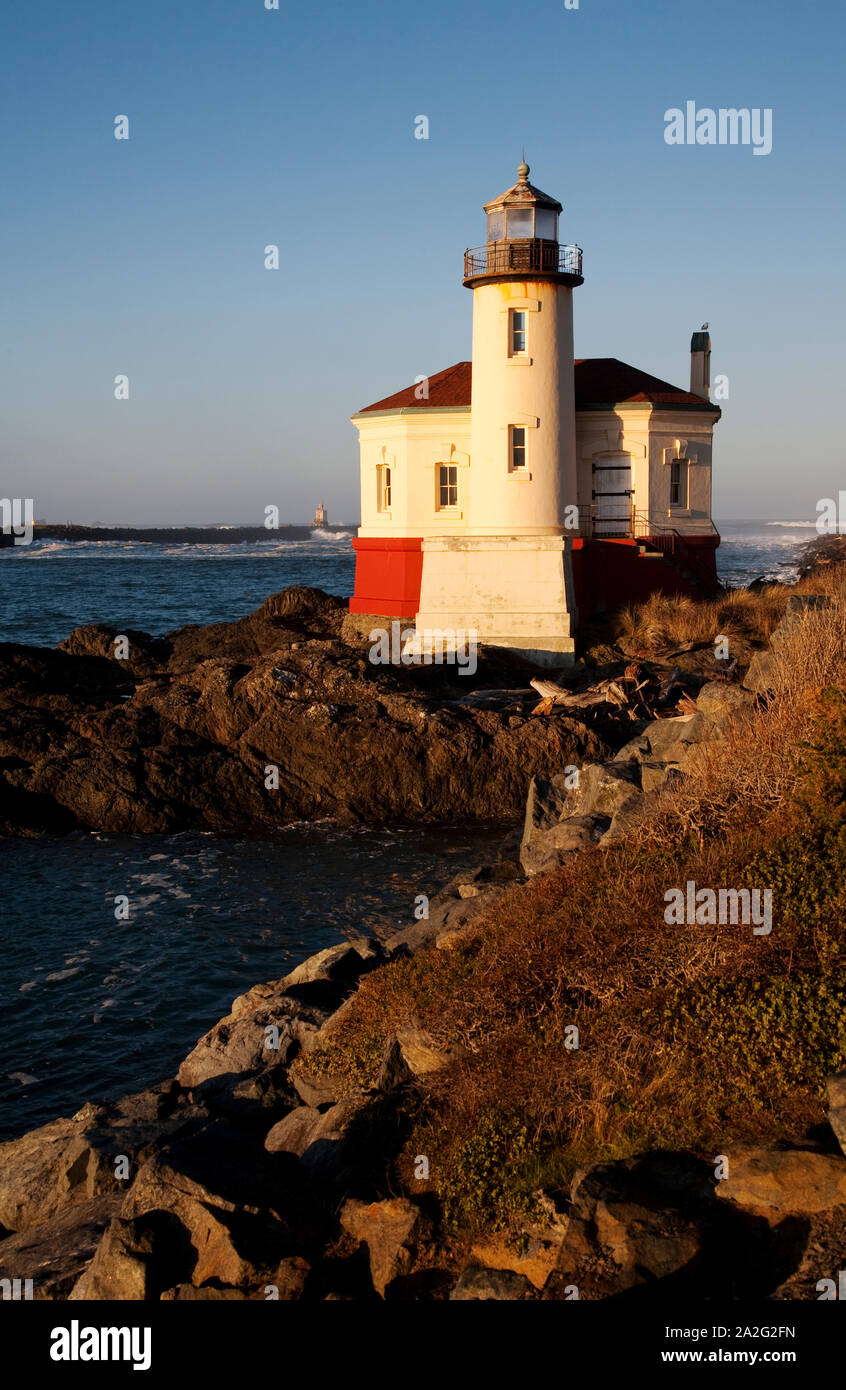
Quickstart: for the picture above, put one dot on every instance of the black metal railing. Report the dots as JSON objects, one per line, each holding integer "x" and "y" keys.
{"x": 531, "y": 254}
{"x": 658, "y": 535}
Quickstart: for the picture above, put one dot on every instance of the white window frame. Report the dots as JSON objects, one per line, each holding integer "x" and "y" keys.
{"x": 520, "y": 469}
{"x": 682, "y": 502}
{"x": 384, "y": 483}
{"x": 440, "y": 505}
{"x": 513, "y": 331}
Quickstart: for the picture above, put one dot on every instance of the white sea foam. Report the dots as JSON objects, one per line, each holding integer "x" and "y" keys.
{"x": 321, "y": 535}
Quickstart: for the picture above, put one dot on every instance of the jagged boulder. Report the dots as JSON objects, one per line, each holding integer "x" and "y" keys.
{"x": 784, "y": 1182}
{"x": 394, "y": 1231}
{"x": 54, "y": 1254}
{"x": 73, "y": 1160}
{"x": 260, "y": 1038}
{"x": 762, "y": 673}
{"x": 550, "y": 849}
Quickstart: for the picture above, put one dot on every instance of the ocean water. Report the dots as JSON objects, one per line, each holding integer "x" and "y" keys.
{"x": 51, "y": 587}
{"x": 94, "y": 1008}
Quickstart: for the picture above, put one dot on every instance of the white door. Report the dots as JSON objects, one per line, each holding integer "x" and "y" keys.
{"x": 612, "y": 495}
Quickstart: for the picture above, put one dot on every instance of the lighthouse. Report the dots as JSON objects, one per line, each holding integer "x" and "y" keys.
{"x": 516, "y": 495}
{"x": 509, "y": 575}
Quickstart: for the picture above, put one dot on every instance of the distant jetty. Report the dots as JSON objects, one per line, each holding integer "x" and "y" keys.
{"x": 176, "y": 535}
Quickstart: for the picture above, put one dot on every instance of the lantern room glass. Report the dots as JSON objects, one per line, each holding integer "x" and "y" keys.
{"x": 520, "y": 223}
{"x": 546, "y": 224}
{"x": 496, "y": 225}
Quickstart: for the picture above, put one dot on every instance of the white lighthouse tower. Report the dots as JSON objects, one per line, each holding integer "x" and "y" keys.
{"x": 508, "y": 574}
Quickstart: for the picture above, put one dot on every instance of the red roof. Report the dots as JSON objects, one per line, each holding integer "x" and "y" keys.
{"x": 600, "y": 381}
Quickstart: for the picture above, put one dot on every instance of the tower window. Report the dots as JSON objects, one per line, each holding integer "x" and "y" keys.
{"x": 517, "y": 336}
{"x": 383, "y": 488}
{"x": 517, "y": 437}
{"x": 447, "y": 485}
{"x": 678, "y": 482}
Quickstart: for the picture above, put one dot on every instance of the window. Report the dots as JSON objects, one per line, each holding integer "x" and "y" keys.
{"x": 383, "y": 485}
{"x": 678, "y": 482}
{"x": 447, "y": 485}
{"x": 517, "y": 434}
{"x": 517, "y": 334}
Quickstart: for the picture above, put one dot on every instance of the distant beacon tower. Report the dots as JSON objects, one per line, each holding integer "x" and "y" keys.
{"x": 510, "y": 574}
{"x": 321, "y": 516}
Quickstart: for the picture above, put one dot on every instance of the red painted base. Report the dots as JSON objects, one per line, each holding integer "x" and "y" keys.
{"x": 608, "y": 574}
{"x": 388, "y": 572}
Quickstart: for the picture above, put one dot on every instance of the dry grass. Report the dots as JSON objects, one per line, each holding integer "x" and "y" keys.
{"x": 665, "y": 621}
{"x": 754, "y": 768}
{"x": 689, "y": 1036}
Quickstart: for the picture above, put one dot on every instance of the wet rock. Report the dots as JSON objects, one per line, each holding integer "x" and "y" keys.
{"x": 394, "y": 1232}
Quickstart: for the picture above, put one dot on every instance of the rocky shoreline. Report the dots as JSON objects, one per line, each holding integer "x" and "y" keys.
{"x": 254, "y": 1174}
{"x": 253, "y": 724}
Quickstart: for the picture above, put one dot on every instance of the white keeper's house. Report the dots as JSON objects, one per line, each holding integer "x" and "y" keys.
{"x": 520, "y": 493}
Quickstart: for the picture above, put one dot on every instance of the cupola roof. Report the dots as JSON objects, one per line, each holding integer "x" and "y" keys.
{"x": 523, "y": 194}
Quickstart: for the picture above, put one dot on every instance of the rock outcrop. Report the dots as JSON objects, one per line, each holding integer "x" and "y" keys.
{"x": 259, "y": 723}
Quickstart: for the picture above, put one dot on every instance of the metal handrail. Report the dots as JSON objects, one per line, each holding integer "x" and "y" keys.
{"x": 531, "y": 253}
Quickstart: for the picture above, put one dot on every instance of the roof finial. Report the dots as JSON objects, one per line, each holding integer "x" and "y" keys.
{"x": 523, "y": 168}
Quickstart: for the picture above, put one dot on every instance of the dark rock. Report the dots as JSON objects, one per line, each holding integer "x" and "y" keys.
{"x": 394, "y": 1070}
{"x": 182, "y": 732}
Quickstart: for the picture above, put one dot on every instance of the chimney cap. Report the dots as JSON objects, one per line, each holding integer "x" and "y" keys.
{"x": 700, "y": 342}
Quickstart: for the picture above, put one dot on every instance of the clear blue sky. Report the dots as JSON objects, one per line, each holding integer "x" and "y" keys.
{"x": 296, "y": 127}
